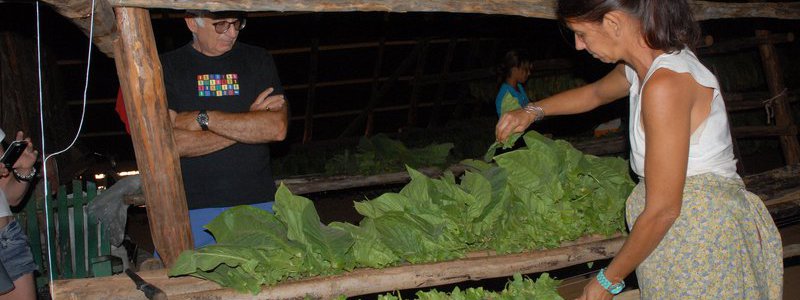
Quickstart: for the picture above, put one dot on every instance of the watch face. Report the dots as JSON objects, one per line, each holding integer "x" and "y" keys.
{"x": 202, "y": 119}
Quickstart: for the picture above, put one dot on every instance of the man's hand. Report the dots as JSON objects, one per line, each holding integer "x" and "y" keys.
{"x": 268, "y": 102}
{"x": 185, "y": 120}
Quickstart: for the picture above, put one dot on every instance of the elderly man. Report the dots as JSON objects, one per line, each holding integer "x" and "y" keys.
{"x": 226, "y": 103}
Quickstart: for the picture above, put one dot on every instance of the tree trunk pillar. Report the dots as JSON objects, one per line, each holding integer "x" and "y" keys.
{"x": 142, "y": 83}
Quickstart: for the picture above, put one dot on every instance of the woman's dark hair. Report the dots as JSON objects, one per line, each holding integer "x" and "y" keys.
{"x": 513, "y": 58}
{"x": 667, "y": 25}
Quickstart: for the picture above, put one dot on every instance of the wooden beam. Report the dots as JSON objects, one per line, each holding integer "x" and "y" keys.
{"x": 744, "y": 43}
{"x": 419, "y": 71}
{"x": 477, "y": 266}
{"x": 313, "y": 63}
{"x": 79, "y": 11}
{"x": 545, "y": 9}
{"x": 142, "y": 83}
{"x": 777, "y": 88}
{"x": 763, "y": 131}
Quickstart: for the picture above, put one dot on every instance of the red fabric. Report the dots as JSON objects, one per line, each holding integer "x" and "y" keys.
{"x": 120, "y": 108}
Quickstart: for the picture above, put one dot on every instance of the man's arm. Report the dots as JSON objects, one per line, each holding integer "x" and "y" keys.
{"x": 266, "y": 121}
{"x": 197, "y": 143}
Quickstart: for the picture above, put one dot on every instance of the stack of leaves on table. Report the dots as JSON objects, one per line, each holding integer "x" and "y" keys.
{"x": 533, "y": 198}
{"x": 543, "y": 288}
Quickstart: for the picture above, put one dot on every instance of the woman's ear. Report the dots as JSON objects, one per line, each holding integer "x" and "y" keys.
{"x": 613, "y": 22}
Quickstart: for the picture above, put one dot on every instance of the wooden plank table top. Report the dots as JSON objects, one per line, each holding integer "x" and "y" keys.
{"x": 477, "y": 266}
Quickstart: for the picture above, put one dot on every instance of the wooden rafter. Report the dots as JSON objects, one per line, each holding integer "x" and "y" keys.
{"x": 79, "y": 12}
{"x": 544, "y": 9}
{"x": 105, "y": 31}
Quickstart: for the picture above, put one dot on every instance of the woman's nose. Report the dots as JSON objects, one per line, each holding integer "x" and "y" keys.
{"x": 579, "y": 45}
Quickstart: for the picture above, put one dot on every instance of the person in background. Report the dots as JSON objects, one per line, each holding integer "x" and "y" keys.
{"x": 695, "y": 232}
{"x": 15, "y": 251}
{"x": 512, "y": 74}
{"x": 226, "y": 104}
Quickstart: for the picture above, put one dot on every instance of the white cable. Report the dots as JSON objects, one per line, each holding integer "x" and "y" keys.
{"x": 51, "y": 269}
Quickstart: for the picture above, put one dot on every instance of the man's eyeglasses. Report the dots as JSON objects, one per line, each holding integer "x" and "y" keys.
{"x": 223, "y": 26}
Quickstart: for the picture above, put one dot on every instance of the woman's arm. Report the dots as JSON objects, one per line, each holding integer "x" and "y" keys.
{"x": 667, "y": 101}
{"x": 582, "y": 99}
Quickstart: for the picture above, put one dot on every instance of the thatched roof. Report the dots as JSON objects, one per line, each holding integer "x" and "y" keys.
{"x": 105, "y": 27}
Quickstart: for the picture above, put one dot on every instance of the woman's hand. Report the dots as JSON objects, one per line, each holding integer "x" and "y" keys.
{"x": 512, "y": 122}
{"x": 594, "y": 291}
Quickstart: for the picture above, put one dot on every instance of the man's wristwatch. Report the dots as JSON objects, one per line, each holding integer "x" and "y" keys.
{"x": 202, "y": 119}
{"x": 615, "y": 288}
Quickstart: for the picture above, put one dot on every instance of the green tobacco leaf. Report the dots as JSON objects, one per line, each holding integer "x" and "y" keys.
{"x": 249, "y": 226}
{"x": 304, "y": 227}
{"x": 509, "y": 103}
{"x": 507, "y": 144}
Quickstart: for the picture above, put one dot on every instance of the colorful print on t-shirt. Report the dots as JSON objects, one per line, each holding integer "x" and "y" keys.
{"x": 217, "y": 85}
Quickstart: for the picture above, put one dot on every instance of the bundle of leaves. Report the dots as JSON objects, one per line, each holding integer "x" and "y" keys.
{"x": 532, "y": 198}
{"x": 543, "y": 288}
{"x": 380, "y": 154}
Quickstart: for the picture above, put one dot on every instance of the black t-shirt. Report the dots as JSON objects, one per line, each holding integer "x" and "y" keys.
{"x": 241, "y": 173}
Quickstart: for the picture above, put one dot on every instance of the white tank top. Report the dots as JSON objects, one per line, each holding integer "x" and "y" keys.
{"x": 5, "y": 209}
{"x": 710, "y": 146}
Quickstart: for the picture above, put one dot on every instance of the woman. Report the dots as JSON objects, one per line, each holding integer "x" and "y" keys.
{"x": 512, "y": 74}
{"x": 695, "y": 233}
{"x": 15, "y": 253}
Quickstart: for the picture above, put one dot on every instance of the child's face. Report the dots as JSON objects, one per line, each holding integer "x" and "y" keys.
{"x": 521, "y": 73}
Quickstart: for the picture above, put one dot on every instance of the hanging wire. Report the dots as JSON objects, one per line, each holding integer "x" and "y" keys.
{"x": 50, "y": 262}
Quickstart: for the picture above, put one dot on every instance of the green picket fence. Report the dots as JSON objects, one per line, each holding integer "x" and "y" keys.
{"x": 78, "y": 244}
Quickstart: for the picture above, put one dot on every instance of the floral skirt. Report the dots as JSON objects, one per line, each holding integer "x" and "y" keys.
{"x": 724, "y": 245}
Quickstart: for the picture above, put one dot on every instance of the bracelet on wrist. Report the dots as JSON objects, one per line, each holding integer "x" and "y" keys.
{"x": 25, "y": 178}
{"x": 537, "y": 111}
{"x": 614, "y": 288}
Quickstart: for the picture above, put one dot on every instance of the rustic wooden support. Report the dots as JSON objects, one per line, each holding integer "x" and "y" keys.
{"x": 442, "y": 88}
{"x": 79, "y": 11}
{"x": 753, "y": 100}
{"x": 480, "y": 265}
{"x": 374, "y": 102}
{"x": 777, "y": 88}
{"x": 313, "y": 63}
{"x": 418, "y": 73}
{"x": 703, "y": 10}
{"x": 376, "y": 74}
{"x": 142, "y": 83}
{"x": 763, "y": 131}
{"x": 744, "y": 43}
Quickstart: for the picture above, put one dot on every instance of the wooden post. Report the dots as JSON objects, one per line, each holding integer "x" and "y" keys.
{"x": 374, "y": 101}
{"x": 437, "y": 102}
{"x": 142, "y": 82}
{"x": 312, "y": 88}
{"x": 777, "y": 88}
{"x": 418, "y": 73}
{"x": 376, "y": 74}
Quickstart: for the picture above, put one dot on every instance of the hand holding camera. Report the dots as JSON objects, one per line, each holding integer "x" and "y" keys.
{"x": 19, "y": 158}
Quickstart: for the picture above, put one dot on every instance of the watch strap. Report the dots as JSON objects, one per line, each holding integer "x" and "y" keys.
{"x": 615, "y": 288}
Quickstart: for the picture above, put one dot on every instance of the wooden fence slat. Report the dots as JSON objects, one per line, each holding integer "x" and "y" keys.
{"x": 63, "y": 235}
{"x": 78, "y": 201}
